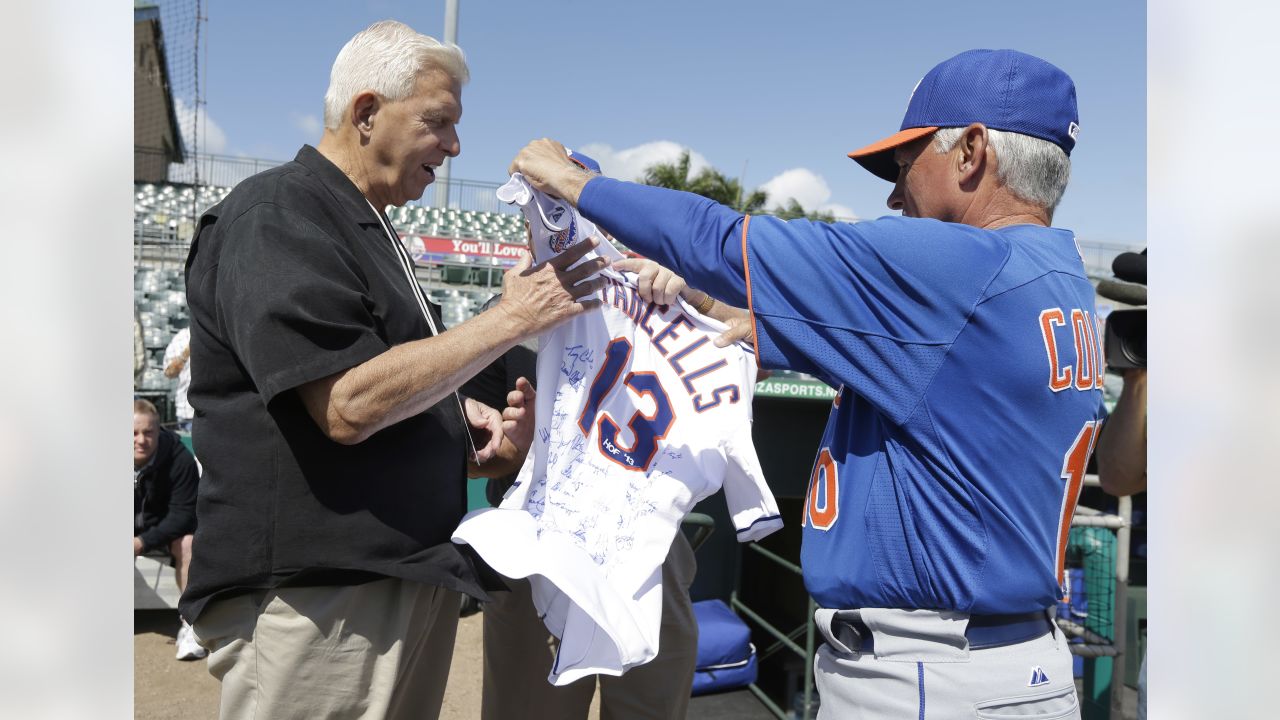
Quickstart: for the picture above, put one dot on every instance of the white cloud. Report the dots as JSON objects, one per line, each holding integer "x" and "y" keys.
{"x": 807, "y": 188}
{"x": 210, "y": 137}
{"x": 630, "y": 163}
{"x": 310, "y": 125}
{"x": 799, "y": 184}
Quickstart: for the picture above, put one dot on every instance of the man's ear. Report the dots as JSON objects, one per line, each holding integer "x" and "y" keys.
{"x": 971, "y": 158}
{"x": 364, "y": 107}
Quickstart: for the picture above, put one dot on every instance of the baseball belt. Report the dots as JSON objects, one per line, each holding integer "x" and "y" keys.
{"x": 983, "y": 631}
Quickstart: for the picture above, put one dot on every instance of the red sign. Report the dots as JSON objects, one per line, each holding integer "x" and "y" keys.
{"x": 427, "y": 250}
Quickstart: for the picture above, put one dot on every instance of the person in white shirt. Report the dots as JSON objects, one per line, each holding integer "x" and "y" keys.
{"x": 177, "y": 363}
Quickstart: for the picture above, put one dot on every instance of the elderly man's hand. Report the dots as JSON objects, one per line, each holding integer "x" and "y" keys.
{"x": 517, "y": 418}
{"x": 740, "y": 329}
{"x": 137, "y": 546}
{"x": 739, "y": 322}
{"x": 514, "y": 437}
{"x": 540, "y": 298}
{"x": 485, "y": 425}
{"x": 547, "y": 167}
{"x": 654, "y": 282}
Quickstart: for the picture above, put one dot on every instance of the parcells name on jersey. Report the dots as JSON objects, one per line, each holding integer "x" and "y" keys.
{"x": 683, "y": 356}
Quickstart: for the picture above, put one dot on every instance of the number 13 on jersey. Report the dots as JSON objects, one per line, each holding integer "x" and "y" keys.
{"x": 646, "y": 430}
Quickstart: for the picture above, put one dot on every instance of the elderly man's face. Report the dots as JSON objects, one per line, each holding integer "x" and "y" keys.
{"x": 924, "y": 181}
{"x": 146, "y": 434}
{"x": 413, "y": 137}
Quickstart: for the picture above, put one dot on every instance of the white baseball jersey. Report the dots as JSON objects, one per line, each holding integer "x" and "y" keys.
{"x": 639, "y": 416}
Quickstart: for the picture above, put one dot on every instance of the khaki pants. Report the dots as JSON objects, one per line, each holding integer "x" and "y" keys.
{"x": 519, "y": 651}
{"x": 377, "y": 650}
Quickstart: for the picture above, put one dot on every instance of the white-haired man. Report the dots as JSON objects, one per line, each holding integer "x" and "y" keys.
{"x": 964, "y": 340}
{"x": 328, "y": 418}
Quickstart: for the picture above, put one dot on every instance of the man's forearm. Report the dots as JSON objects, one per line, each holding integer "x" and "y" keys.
{"x": 697, "y": 238}
{"x": 1122, "y": 446}
{"x": 407, "y": 379}
{"x": 404, "y": 381}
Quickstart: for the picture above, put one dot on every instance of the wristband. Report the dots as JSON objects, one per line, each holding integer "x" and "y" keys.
{"x": 706, "y": 304}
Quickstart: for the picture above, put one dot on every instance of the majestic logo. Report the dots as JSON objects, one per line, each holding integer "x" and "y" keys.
{"x": 1073, "y": 130}
{"x": 556, "y": 212}
{"x": 1037, "y": 677}
{"x": 560, "y": 241}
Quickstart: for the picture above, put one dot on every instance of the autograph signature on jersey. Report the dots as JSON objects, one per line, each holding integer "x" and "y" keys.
{"x": 577, "y": 362}
{"x": 575, "y": 455}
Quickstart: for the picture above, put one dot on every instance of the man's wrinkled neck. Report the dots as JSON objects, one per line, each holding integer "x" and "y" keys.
{"x": 1002, "y": 209}
{"x": 339, "y": 150}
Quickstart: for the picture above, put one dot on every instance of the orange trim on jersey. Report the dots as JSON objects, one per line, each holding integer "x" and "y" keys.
{"x": 746, "y": 275}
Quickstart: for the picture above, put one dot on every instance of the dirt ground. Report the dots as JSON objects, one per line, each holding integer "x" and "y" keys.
{"x": 168, "y": 689}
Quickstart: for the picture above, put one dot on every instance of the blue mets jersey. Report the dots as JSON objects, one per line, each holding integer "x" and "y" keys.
{"x": 969, "y": 369}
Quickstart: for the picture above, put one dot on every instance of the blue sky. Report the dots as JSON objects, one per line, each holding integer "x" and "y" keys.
{"x": 783, "y": 90}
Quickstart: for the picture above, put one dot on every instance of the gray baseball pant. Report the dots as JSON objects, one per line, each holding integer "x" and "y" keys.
{"x": 921, "y": 667}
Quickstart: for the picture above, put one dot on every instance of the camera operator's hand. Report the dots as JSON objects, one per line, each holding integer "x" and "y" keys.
{"x": 1122, "y": 444}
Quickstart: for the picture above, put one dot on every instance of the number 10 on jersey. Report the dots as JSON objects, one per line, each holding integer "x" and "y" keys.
{"x": 822, "y": 501}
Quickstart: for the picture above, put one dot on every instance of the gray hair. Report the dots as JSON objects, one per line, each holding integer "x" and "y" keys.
{"x": 1033, "y": 169}
{"x": 387, "y": 58}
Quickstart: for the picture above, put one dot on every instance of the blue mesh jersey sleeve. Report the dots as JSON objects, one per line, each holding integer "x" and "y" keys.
{"x": 873, "y": 306}
{"x": 700, "y": 239}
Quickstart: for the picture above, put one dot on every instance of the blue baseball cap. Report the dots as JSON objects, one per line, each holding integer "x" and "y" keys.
{"x": 1002, "y": 89}
{"x": 585, "y": 162}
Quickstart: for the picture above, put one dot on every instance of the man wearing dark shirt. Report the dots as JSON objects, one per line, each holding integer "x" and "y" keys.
{"x": 334, "y": 441}
{"x": 165, "y": 477}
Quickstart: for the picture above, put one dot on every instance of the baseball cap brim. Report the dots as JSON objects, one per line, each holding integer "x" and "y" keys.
{"x": 878, "y": 156}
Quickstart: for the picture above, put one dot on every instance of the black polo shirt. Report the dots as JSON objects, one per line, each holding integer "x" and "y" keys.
{"x": 290, "y": 279}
